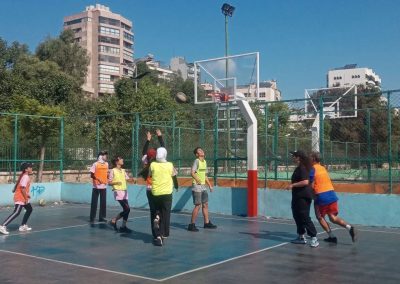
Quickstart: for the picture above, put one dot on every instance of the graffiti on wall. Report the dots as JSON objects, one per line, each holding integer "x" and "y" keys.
{"x": 37, "y": 190}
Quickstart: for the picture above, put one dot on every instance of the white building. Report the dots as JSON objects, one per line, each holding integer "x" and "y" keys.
{"x": 268, "y": 91}
{"x": 182, "y": 68}
{"x": 163, "y": 73}
{"x": 352, "y": 75}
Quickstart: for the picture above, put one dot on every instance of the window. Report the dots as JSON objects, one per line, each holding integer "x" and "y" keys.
{"x": 78, "y": 39}
{"x": 109, "y": 49}
{"x": 108, "y": 68}
{"x": 73, "y": 22}
{"x": 108, "y": 31}
{"x": 106, "y": 88}
{"x": 78, "y": 30}
{"x": 107, "y": 58}
{"x": 108, "y": 40}
{"x": 128, "y": 54}
{"x": 128, "y": 36}
{"x": 262, "y": 95}
{"x": 108, "y": 21}
{"x": 127, "y": 45}
{"x": 105, "y": 77}
{"x": 125, "y": 26}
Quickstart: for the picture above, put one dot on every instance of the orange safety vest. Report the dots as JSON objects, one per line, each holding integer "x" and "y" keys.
{"x": 101, "y": 173}
{"x": 322, "y": 181}
{"x": 18, "y": 196}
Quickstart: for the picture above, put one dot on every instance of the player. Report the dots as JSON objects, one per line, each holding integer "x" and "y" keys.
{"x": 99, "y": 175}
{"x": 326, "y": 201}
{"x": 117, "y": 179}
{"x": 21, "y": 200}
{"x": 199, "y": 190}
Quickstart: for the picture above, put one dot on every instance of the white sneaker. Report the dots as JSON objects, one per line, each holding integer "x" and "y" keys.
{"x": 314, "y": 242}
{"x": 3, "y": 230}
{"x": 24, "y": 228}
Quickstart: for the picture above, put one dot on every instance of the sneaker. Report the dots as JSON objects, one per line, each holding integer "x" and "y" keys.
{"x": 158, "y": 242}
{"x": 192, "y": 227}
{"x": 209, "y": 225}
{"x": 353, "y": 234}
{"x": 314, "y": 242}
{"x": 299, "y": 241}
{"x": 24, "y": 228}
{"x": 125, "y": 229}
{"x": 113, "y": 224}
{"x": 3, "y": 230}
{"x": 331, "y": 240}
{"x": 156, "y": 223}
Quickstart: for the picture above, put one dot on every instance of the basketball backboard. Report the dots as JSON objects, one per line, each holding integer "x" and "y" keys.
{"x": 224, "y": 79}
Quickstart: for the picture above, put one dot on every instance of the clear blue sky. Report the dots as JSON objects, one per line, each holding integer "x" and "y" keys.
{"x": 299, "y": 40}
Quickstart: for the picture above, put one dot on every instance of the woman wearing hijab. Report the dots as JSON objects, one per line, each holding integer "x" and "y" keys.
{"x": 163, "y": 177}
{"x": 302, "y": 198}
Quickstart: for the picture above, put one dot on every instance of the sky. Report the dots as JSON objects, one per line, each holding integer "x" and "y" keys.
{"x": 298, "y": 40}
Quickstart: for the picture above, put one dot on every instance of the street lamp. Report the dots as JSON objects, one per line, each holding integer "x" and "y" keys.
{"x": 227, "y": 10}
{"x": 133, "y": 65}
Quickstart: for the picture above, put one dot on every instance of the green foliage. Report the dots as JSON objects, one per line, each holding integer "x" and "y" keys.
{"x": 72, "y": 59}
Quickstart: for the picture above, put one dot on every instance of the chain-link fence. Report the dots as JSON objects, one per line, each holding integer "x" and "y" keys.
{"x": 358, "y": 138}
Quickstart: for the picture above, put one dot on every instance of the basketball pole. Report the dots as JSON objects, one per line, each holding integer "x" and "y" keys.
{"x": 252, "y": 169}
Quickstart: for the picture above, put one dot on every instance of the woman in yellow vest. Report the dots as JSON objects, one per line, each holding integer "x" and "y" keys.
{"x": 163, "y": 176}
{"x": 326, "y": 201}
{"x": 117, "y": 179}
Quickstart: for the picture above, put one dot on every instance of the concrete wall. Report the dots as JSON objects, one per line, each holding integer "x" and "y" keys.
{"x": 363, "y": 209}
{"x": 51, "y": 192}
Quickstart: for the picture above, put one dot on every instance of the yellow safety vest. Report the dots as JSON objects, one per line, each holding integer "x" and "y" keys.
{"x": 161, "y": 177}
{"x": 119, "y": 176}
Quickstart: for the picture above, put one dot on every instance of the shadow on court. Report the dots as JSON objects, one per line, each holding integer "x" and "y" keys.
{"x": 64, "y": 248}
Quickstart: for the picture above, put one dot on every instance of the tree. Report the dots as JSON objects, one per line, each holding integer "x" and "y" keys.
{"x": 66, "y": 52}
{"x": 38, "y": 130}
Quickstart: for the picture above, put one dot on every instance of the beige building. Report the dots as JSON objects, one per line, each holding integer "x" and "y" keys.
{"x": 108, "y": 38}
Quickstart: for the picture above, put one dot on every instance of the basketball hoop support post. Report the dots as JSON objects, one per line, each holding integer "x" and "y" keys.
{"x": 252, "y": 169}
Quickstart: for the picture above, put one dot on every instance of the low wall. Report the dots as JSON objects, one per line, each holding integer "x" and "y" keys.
{"x": 356, "y": 208}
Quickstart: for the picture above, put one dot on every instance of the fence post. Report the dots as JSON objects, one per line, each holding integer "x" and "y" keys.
{"x": 215, "y": 144}
{"x": 390, "y": 158}
{"x": 321, "y": 127}
{"x": 369, "y": 143}
{"x": 15, "y": 147}
{"x": 97, "y": 134}
{"x": 275, "y": 145}
{"x": 346, "y": 155}
{"x": 266, "y": 168}
{"x": 173, "y": 134}
{"x": 202, "y": 133}
{"x": 61, "y": 154}
{"x": 136, "y": 145}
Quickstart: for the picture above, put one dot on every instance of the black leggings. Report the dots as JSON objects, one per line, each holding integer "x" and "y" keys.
{"x": 17, "y": 211}
{"x": 162, "y": 207}
{"x": 152, "y": 211}
{"x": 126, "y": 209}
{"x": 301, "y": 215}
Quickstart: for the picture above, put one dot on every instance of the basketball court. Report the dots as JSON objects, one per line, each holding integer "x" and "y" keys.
{"x": 64, "y": 247}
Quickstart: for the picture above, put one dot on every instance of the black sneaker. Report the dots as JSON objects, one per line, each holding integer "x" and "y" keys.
{"x": 331, "y": 240}
{"x": 158, "y": 242}
{"x": 209, "y": 225}
{"x": 192, "y": 228}
{"x": 353, "y": 234}
{"x": 113, "y": 224}
{"x": 125, "y": 229}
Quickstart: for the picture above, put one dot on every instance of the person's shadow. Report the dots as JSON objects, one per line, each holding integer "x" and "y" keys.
{"x": 136, "y": 235}
{"x": 179, "y": 225}
{"x": 275, "y": 236}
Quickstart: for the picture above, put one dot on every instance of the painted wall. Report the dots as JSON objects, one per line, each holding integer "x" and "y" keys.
{"x": 51, "y": 192}
{"x": 363, "y": 209}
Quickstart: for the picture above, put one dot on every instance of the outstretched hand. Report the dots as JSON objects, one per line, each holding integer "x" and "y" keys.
{"x": 158, "y": 132}
{"x": 148, "y": 135}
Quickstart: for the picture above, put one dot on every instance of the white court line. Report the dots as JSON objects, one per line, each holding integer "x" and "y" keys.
{"x": 372, "y": 231}
{"x": 62, "y": 228}
{"x": 231, "y": 259}
{"x": 79, "y": 265}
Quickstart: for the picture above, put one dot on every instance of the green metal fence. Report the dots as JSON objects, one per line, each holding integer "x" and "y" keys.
{"x": 362, "y": 148}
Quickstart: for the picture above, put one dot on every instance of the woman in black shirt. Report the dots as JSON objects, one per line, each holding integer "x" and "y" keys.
{"x": 301, "y": 199}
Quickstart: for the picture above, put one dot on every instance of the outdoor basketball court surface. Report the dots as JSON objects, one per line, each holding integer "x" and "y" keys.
{"x": 64, "y": 248}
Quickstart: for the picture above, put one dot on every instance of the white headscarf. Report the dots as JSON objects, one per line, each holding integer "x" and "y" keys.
{"x": 161, "y": 155}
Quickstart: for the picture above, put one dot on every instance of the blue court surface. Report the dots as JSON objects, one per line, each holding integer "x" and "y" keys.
{"x": 64, "y": 248}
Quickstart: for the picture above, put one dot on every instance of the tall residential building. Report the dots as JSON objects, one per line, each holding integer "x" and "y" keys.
{"x": 352, "y": 75}
{"x": 108, "y": 39}
{"x": 182, "y": 68}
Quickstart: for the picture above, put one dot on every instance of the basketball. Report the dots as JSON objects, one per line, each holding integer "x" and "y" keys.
{"x": 42, "y": 202}
{"x": 180, "y": 97}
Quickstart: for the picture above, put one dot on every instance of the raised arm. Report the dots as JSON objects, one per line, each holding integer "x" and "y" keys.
{"x": 160, "y": 138}
{"x": 147, "y": 143}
